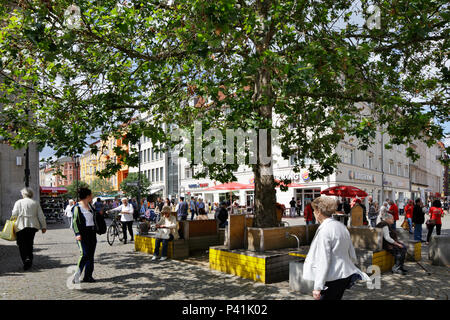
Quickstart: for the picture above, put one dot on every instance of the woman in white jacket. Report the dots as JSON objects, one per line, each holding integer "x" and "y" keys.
{"x": 166, "y": 230}
{"x": 329, "y": 262}
{"x": 30, "y": 219}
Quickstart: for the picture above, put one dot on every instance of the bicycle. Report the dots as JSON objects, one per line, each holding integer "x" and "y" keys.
{"x": 114, "y": 230}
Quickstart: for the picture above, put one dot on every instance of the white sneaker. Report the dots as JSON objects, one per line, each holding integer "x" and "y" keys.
{"x": 163, "y": 258}
{"x": 154, "y": 258}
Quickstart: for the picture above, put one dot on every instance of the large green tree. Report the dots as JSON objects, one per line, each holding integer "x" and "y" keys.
{"x": 101, "y": 186}
{"x": 72, "y": 191}
{"x": 313, "y": 63}
{"x": 130, "y": 185}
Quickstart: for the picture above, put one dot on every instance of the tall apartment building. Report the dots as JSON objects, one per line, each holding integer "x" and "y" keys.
{"x": 48, "y": 177}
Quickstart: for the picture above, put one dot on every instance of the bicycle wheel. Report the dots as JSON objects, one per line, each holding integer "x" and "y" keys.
{"x": 111, "y": 234}
{"x": 119, "y": 232}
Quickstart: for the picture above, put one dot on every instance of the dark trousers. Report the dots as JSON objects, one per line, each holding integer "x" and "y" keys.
{"x": 193, "y": 214}
{"x": 165, "y": 245}
{"x": 87, "y": 247}
{"x": 127, "y": 225}
{"x": 335, "y": 289}
{"x": 25, "y": 240}
{"x": 430, "y": 231}
{"x": 399, "y": 256}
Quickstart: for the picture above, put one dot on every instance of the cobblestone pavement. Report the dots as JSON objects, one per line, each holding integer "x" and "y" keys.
{"x": 124, "y": 274}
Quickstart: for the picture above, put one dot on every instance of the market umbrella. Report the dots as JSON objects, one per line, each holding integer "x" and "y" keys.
{"x": 230, "y": 186}
{"x": 345, "y": 191}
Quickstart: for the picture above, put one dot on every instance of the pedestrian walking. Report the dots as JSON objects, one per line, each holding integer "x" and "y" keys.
{"x": 391, "y": 243}
{"x": 182, "y": 211}
{"x": 126, "y": 218}
{"x": 309, "y": 213}
{"x": 221, "y": 215}
{"x": 293, "y": 206}
{"x": 401, "y": 207}
{"x": 435, "y": 213}
{"x": 193, "y": 208}
{"x": 99, "y": 206}
{"x": 165, "y": 232}
{"x": 393, "y": 210}
{"x": 373, "y": 214}
{"x": 29, "y": 220}
{"x": 68, "y": 212}
{"x": 299, "y": 208}
{"x": 84, "y": 226}
{"x": 347, "y": 210}
{"x": 418, "y": 219}
{"x": 409, "y": 214}
{"x": 331, "y": 257}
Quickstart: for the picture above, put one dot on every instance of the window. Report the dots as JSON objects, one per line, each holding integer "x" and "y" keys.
{"x": 391, "y": 167}
{"x": 370, "y": 162}
{"x": 157, "y": 175}
{"x": 161, "y": 175}
{"x": 153, "y": 175}
{"x": 406, "y": 171}
{"x": 144, "y": 160}
{"x": 153, "y": 154}
{"x": 399, "y": 170}
{"x": 188, "y": 173}
{"x": 352, "y": 156}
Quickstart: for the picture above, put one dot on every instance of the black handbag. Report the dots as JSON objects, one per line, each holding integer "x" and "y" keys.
{"x": 100, "y": 223}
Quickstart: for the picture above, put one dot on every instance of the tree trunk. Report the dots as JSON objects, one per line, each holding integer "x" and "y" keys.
{"x": 265, "y": 194}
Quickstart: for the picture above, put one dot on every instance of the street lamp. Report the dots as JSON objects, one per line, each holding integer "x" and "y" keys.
{"x": 139, "y": 177}
{"x": 76, "y": 168}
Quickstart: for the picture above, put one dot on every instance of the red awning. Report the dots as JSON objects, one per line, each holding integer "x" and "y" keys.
{"x": 53, "y": 190}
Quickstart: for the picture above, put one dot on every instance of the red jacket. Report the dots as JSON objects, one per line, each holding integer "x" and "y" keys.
{"x": 308, "y": 213}
{"x": 436, "y": 214}
{"x": 394, "y": 211}
{"x": 409, "y": 211}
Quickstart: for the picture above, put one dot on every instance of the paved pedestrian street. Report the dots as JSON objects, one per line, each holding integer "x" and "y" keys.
{"x": 122, "y": 273}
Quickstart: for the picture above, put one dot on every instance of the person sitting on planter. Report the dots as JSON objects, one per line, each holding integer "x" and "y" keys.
{"x": 202, "y": 215}
{"x": 166, "y": 230}
{"x": 391, "y": 243}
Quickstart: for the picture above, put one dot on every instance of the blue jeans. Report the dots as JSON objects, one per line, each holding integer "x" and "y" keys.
{"x": 394, "y": 226}
{"x": 165, "y": 243}
{"x": 373, "y": 222}
{"x": 418, "y": 232}
{"x": 410, "y": 225}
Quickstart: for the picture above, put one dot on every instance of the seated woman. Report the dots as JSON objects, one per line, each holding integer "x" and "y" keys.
{"x": 166, "y": 230}
{"x": 201, "y": 214}
{"x": 391, "y": 243}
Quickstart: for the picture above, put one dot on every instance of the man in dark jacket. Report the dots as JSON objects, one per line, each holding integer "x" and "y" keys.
{"x": 418, "y": 219}
{"x": 222, "y": 215}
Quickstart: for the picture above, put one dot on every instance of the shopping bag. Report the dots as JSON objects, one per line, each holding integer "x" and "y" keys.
{"x": 405, "y": 225}
{"x": 9, "y": 232}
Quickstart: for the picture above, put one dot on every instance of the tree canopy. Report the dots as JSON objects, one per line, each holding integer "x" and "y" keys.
{"x": 131, "y": 190}
{"x": 315, "y": 64}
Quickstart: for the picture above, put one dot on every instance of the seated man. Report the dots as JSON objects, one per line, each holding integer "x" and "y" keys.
{"x": 391, "y": 243}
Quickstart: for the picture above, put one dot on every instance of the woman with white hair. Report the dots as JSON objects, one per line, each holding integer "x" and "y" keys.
{"x": 391, "y": 243}
{"x": 329, "y": 262}
{"x": 68, "y": 212}
{"x": 30, "y": 219}
{"x": 126, "y": 218}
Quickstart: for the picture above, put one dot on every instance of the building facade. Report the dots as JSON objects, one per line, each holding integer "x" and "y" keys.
{"x": 68, "y": 168}
{"x": 12, "y": 174}
{"x": 91, "y": 163}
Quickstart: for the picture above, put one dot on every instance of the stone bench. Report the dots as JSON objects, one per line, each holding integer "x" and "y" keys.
{"x": 439, "y": 250}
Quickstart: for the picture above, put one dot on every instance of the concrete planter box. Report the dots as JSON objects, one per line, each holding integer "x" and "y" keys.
{"x": 296, "y": 281}
{"x": 262, "y": 239}
{"x": 439, "y": 250}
